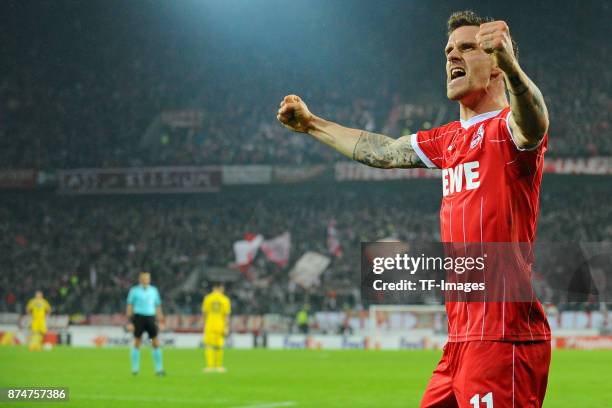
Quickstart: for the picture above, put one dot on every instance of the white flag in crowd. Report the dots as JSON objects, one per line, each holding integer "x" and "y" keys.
{"x": 308, "y": 269}
{"x": 245, "y": 250}
{"x": 277, "y": 249}
{"x": 333, "y": 243}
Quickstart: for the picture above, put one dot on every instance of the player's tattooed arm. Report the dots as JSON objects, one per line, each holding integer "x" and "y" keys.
{"x": 529, "y": 121}
{"x": 369, "y": 148}
{"x": 384, "y": 152}
{"x": 372, "y": 149}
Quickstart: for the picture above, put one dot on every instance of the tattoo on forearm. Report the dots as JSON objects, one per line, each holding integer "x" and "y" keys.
{"x": 535, "y": 98}
{"x": 528, "y": 109}
{"x": 538, "y": 101}
{"x": 384, "y": 152}
{"x": 357, "y": 144}
{"x": 517, "y": 87}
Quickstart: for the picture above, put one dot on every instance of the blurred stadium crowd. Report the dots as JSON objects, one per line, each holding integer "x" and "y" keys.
{"x": 58, "y": 243}
{"x": 101, "y": 120}
{"x": 68, "y": 108}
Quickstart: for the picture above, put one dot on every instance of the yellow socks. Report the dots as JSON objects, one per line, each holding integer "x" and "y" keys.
{"x": 209, "y": 353}
{"x": 219, "y": 358}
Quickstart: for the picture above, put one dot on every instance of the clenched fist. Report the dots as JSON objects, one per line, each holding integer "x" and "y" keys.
{"x": 494, "y": 38}
{"x": 294, "y": 114}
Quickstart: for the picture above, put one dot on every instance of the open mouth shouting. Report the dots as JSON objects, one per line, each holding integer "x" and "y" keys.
{"x": 456, "y": 73}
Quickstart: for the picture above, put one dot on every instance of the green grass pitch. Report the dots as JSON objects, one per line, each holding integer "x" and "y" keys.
{"x": 273, "y": 378}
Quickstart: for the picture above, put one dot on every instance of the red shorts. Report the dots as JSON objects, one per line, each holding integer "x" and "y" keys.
{"x": 479, "y": 374}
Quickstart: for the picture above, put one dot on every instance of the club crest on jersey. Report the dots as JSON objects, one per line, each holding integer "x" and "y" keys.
{"x": 477, "y": 137}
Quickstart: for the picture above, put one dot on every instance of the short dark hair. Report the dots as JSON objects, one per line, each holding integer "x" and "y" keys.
{"x": 469, "y": 18}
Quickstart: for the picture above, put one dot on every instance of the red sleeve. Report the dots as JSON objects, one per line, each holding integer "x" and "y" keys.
{"x": 525, "y": 160}
{"x": 429, "y": 146}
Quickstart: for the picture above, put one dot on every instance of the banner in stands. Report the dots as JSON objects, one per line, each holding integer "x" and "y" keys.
{"x": 359, "y": 342}
{"x": 113, "y": 336}
{"x": 299, "y": 174}
{"x": 193, "y": 179}
{"x": 248, "y": 174}
{"x": 409, "y": 342}
{"x": 25, "y": 178}
{"x": 592, "y": 165}
{"x": 140, "y": 180}
{"x": 117, "y": 336}
{"x": 582, "y": 342}
{"x": 9, "y": 318}
{"x": 349, "y": 171}
{"x": 57, "y": 322}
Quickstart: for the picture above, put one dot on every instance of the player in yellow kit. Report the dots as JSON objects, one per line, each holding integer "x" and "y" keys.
{"x": 216, "y": 309}
{"x": 38, "y": 308}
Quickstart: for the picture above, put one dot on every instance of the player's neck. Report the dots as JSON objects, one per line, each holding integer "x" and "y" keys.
{"x": 473, "y": 106}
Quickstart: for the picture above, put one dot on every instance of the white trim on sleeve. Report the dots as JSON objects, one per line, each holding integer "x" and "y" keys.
{"x": 420, "y": 152}
{"x": 522, "y": 149}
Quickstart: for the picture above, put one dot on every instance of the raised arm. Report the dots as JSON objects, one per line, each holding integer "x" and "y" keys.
{"x": 529, "y": 120}
{"x": 372, "y": 149}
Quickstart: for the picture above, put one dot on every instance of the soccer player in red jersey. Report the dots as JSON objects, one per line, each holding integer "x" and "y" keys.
{"x": 498, "y": 353}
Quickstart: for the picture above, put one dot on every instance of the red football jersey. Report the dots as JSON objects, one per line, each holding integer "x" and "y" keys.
{"x": 490, "y": 193}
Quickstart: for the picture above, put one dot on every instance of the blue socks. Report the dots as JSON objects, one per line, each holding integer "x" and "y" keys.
{"x": 157, "y": 359}
{"x": 135, "y": 356}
